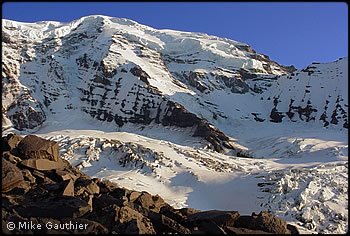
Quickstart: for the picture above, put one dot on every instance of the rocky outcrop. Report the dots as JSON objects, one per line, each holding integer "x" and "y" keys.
{"x": 264, "y": 222}
{"x": 44, "y": 198}
{"x": 10, "y": 142}
{"x": 176, "y": 115}
{"x": 34, "y": 147}
{"x": 11, "y": 176}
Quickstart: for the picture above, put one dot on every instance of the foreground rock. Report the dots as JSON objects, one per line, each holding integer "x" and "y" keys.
{"x": 42, "y": 193}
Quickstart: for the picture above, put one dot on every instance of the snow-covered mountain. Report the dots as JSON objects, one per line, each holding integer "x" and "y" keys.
{"x": 119, "y": 71}
{"x": 158, "y": 102}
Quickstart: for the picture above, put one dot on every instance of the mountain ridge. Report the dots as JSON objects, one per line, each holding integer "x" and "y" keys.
{"x": 117, "y": 70}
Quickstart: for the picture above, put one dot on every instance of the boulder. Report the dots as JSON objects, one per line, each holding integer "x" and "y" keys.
{"x": 104, "y": 200}
{"x": 34, "y": 147}
{"x": 64, "y": 175}
{"x": 42, "y": 164}
{"x": 119, "y": 193}
{"x": 221, "y": 218}
{"x": 11, "y": 176}
{"x": 172, "y": 213}
{"x": 149, "y": 202}
{"x": 164, "y": 224}
{"x": 68, "y": 188}
{"x": 129, "y": 221}
{"x": 82, "y": 185}
{"x": 134, "y": 195}
{"x": 106, "y": 186}
{"x": 263, "y": 221}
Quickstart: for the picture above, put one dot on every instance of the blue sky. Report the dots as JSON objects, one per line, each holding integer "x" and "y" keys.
{"x": 290, "y": 33}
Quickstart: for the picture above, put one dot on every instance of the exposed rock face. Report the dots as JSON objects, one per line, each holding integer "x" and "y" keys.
{"x": 65, "y": 200}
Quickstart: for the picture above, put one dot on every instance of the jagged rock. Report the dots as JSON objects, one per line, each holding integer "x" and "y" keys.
{"x": 149, "y": 202}
{"x": 10, "y": 142}
{"x": 120, "y": 192}
{"x": 22, "y": 188}
{"x": 104, "y": 200}
{"x": 11, "y": 158}
{"x": 172, "y": 213}
{"x": 34, "y": 147}
{"x": 104, "y": 216}
{"x": 25, "y": 114}
{"x": 237, "y": 85}
{"x": 106, "y": 186}
{"x": 194, "y": 79}
{"x": 130, "y": 221}
{"x": 141, "y": 74}
{"x": 188, "y": 211}
{"x": 11, "y": 176}
{"x": 42, "y": 164}
{"x": 263, "y": 221}
{"x": 211, "y": 222}
{"x": 221, "y": 218}
{"x": 134, "y": 195}
{"x": 165, "y": 224}
{"x": 28, "y": 176}
{"x": 68, "y": 188}
{"x": 65, "y": 175}
{"x": 39, "y": 174}
{"x": 82, "y": 185}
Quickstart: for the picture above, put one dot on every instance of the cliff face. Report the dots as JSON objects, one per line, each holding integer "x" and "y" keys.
{"x": 42, "y": 193}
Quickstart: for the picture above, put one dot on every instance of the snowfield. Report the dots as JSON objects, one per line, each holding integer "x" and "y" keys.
{"x": 299, "y": 172}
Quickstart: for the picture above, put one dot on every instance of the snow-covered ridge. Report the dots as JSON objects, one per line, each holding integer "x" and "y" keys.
{"x": 100, "y": 60}
{"x": 165, "y": 41}
{"x": 61, "y": 67}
